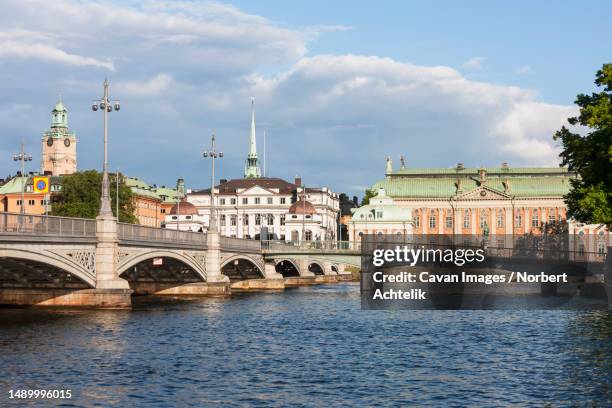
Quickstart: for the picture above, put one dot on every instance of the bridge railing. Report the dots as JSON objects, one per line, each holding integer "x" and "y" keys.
{"x": 240, "y": 244}
{"x": 41, "y": 225}
{"x": 309, "y": 246}
{"x": 142, "y": 233}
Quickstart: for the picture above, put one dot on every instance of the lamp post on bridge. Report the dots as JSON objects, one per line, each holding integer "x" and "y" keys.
{"x": 213, "y": 154}
{"x": 105, "y": 105}
{"x": 22, "y": 157}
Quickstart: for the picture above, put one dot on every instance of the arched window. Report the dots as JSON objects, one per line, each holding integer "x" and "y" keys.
{"x": 500, "y": 218}
{"x": 466, "y": 219}
{"x": 449, "y": 220}
{"x": 483, "y": 220}
{"x": 432, "y": 220}
{"x": 518, "y": 220}
{"x": 417, "y": 219}
{"x": 535, "y": 220}
{"x": 308, "y": 235}
{"x": 270, "y": 219}
{"x": 257, "y": 219}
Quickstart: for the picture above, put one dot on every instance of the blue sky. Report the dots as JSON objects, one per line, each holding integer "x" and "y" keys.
{"x": 338, "y": 85}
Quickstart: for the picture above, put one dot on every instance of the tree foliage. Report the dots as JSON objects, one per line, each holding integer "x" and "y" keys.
{"x": 366, "y": 198}
{"x": 80, "y": 196}
{"x": 590, "y": 155}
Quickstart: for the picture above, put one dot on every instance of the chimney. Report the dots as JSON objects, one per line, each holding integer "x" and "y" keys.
{"x": 298, "y": 181}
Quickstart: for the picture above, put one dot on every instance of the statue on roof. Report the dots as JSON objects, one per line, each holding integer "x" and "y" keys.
{"x": 389, "y": 165}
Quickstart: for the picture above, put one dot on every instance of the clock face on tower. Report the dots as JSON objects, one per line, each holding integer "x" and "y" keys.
{"x": 50, "y": 141}
{"x": 67, "y": 142}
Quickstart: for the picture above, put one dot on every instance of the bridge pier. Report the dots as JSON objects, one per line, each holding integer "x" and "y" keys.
{"x": 213, "y": 259}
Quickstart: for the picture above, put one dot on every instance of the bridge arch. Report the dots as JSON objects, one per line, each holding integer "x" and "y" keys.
{"x": 316, "y": 267}
{"x": 131, "y": 261}
{"x": 242, "y": 266}
{"x": 287, "y": 268}
{"x": 60, "y": 261}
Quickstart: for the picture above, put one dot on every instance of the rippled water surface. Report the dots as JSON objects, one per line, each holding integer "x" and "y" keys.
{"x": 306, "y": 347}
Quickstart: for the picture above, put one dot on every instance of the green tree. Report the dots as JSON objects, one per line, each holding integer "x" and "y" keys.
{"x": 80, "y": 196}
{"x": 590, "y": 155}
{"x": 366, "y": 198}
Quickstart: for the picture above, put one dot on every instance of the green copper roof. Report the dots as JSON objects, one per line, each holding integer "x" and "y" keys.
{"x": 14, "y": 185}
{"x": 164, "y": 194}
{"x": 439, "y": 183}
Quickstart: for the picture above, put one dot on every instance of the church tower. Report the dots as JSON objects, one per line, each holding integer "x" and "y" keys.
{"x": 251, "y": 168}
{"x": 59, "y": 144}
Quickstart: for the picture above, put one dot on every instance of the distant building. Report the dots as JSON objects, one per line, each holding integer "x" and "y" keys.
{"x": 59, "y": 155}
{"x": 35, "y": 203}
{"x": 253, "y": 206}
{"x": 152, "y": 203}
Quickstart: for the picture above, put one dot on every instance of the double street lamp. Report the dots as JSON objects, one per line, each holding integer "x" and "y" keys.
{"x": 106, "y": 107}
{"x": 213, "y": 154}
{"x": 22, "y": 157}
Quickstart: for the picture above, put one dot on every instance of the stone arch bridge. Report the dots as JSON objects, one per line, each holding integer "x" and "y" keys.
{"x": 71, "y": 261}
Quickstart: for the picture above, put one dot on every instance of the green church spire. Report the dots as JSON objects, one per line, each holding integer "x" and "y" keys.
{"x": 59, "y": 115}
{"x": 251, "y": 168}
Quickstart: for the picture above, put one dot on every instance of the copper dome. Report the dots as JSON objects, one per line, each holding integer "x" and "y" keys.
{"x": 302, "y": 207}
{"x": 185, "y": 208}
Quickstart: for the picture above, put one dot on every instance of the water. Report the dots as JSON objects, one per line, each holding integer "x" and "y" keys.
{"x": 306, "y": 347}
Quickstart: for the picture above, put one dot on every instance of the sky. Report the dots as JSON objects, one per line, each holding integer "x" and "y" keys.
{"x": 338, "y": 86}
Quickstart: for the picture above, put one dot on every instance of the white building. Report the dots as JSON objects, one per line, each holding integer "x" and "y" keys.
{"x": 253, "y": 206}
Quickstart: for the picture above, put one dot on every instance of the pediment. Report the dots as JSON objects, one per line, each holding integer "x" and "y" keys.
{"x": 483, "y": 193}
{"x": 256, "y": 190}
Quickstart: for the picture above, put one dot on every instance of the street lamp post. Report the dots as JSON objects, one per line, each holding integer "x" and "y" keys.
{"x": 213, "y": 154}
{"x": 105, "y": 105}
{"x": 22, "y": 157}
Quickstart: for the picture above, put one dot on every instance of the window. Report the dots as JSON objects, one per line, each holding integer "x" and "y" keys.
{"x": 282, "y": 220}
{"x": 483, "y": 220}
{"x": 162, "y": 210}
{"x": 174, "y": 217}
{"x": 18, "y": 202}
{"x": 270, "y": 219}
{"x": 222, "y": 222}
{"x": 500, "y": 218}
{"x": 500, "y": 243}
{"x": 466, "y": 219}
{"x": 222, "y": 201}
{"x": 233, "y": 201}
{"x": 551, "y": 218}
{"x": 518, "y": 220}
{"x": 257, "y": 200}
{"x": 417, "y": 219}
{"x": 233, "y": 220}
{"x": 245, "y": 219}
{"x": 245, "y": 200}
{"x": 283, "y": 200}
{"x": 601, "y": 249}
{"x": 257, "y": 219}
{"x": 379, "y": 214}
{"x": 535, "y": 220}
{"x": 308, "y": 235}
{"x": 581, "y": 249}
{"x": 270, "y": 200}
{"x": 188, "y": 217}
{"x": 432, "y": 220}
{"x": 449, "y": 221}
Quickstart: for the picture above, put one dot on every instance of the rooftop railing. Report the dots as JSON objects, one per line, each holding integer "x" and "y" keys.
{"x": 41, "y": 225}
{"x": 142, "y": 233}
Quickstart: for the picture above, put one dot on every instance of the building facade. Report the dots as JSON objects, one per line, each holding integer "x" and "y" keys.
{"x": 152, "y": 203}
{"x": 502, "y": 203}
{"x": 256, "y": 206}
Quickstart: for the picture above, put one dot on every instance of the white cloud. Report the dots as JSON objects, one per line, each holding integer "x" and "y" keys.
{"x": 185, "y": 69}
{"x": 474, "y": 63}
